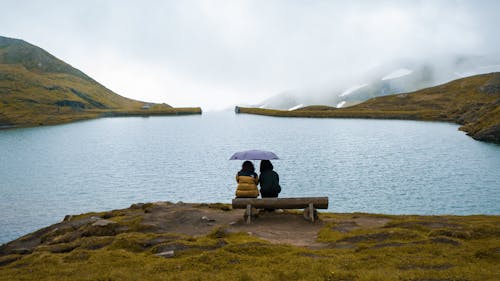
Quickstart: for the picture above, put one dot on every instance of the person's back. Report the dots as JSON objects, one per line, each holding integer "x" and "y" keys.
{"x": 247, "y": 181}
{"x": 269, "y": 180}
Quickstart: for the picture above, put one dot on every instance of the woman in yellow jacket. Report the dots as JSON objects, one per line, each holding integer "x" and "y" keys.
{"x": 247, "y": 181}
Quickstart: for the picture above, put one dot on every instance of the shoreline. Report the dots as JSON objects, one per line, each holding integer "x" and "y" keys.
{"x": 346, "y": 113}
{"x": 51, "y": 120}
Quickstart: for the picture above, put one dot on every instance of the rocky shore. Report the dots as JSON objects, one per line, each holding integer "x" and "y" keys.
{"x": 167, "y": 241}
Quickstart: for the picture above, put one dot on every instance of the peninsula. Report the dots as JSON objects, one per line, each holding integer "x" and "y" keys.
{"x": 473, "y": 102}
{"x": 181, "y": 241}
{"x": 37, "y": 88}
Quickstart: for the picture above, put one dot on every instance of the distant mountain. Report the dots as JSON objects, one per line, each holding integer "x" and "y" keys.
{"x": 396, "y": 77}
{"x": 37, "y": 88}
{"x": 473, "y": 102}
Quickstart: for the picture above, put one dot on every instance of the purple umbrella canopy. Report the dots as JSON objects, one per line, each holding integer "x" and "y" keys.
{"x": 254, "y": 154}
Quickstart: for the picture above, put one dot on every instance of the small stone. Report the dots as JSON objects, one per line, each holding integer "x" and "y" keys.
{"x": 137, "y": 206}
{"x": 206, "y": 219}
{"x": 94, "y": 218}
{"x": 22, "y": 251}
{"x": 166, "y": 254}
{"x": 103, "y": 222}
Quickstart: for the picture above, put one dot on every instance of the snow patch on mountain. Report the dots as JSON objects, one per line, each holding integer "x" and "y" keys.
{"x": 340, "y": 104}
{"x": 398, "y": 73}
{"x": 296, "y": 107}
{"x": 352, "y": 89}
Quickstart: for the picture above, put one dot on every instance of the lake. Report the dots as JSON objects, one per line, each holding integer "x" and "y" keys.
{"x": 377, "y": 166}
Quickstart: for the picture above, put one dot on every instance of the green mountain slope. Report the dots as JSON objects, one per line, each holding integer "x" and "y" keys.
{"x": 473, "y": 102}
{"x": 37, "y": 88}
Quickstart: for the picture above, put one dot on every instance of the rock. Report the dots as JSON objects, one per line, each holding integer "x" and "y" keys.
{"x": 166, "y": 254}
{"x": 70, "y": 103}
{"x": 8, "y": 259}
{"x": 170, "y": 248}
{"x": 492, "y": 86}
{"x": 103, "y": 222}
{"x": 22, "y": 251}
{"x": 491, "y": 134}
{"x": 444, "y": 240}
{"x": 206, "y": 219}
{"x": 137, "y": 206}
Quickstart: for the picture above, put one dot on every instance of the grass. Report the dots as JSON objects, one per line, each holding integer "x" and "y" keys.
{"x": 39, "y": 89}
{"x": 401, "y": 248}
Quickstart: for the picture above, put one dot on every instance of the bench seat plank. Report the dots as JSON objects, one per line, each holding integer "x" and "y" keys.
{"x": 281, "y": 203}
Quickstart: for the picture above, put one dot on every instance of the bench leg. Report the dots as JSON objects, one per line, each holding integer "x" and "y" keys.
{"x": 311, "y": 212}
{"x": 248, "y": 214}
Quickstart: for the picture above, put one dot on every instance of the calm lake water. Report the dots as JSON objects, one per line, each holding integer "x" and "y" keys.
{"x": 379, "y": 166}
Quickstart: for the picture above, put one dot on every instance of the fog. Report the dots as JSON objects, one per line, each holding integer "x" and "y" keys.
{"x": 216, "y": 54}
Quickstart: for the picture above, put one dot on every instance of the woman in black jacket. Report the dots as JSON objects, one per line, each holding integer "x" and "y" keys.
{"x": 269, "y": 180}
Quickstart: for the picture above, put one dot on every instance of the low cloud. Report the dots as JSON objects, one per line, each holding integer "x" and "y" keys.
{"x": 218, "y": 53}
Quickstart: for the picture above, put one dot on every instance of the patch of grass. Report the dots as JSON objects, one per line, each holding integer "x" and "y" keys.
{"x": 397, "y": 248}
{"x": 219, "y": 206}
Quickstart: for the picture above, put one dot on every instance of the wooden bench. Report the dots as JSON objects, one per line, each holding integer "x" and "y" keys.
{"x": 309, "y": 204}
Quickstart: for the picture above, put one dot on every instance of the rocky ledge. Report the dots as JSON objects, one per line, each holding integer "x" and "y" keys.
{"x": 167, "y": 241}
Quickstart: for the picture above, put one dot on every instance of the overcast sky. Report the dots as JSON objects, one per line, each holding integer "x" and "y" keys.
{"x": 216, "y": 54}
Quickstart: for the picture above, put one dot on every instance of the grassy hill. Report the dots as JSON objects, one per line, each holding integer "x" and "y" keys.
{"x": 37, "y": 88}
{"x": 166, "y": 241}
{"x": 473, "y": 102}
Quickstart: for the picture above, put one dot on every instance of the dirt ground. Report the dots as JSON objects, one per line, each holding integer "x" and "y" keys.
{"x": 192, "y": 219}
{"x": 288, "y": 227}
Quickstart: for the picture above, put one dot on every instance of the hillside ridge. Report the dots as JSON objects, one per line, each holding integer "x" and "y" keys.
{"x": 36, "y": 88}
{"x": 472, "y": 102}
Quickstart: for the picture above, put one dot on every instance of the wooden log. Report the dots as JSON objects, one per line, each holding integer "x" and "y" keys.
{"x": 281, "y": 203}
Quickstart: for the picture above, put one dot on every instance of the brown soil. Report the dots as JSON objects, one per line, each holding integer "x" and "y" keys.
{"x": 282, "y": 228}
{"x": 192, "y": 219}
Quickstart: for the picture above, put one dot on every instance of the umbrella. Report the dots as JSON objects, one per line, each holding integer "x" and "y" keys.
{"x": 254, "y": 155}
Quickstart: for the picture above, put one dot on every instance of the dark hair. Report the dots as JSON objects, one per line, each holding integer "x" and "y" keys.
{"x": 248, "y": 166}
{"x": 265, "y": 165}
